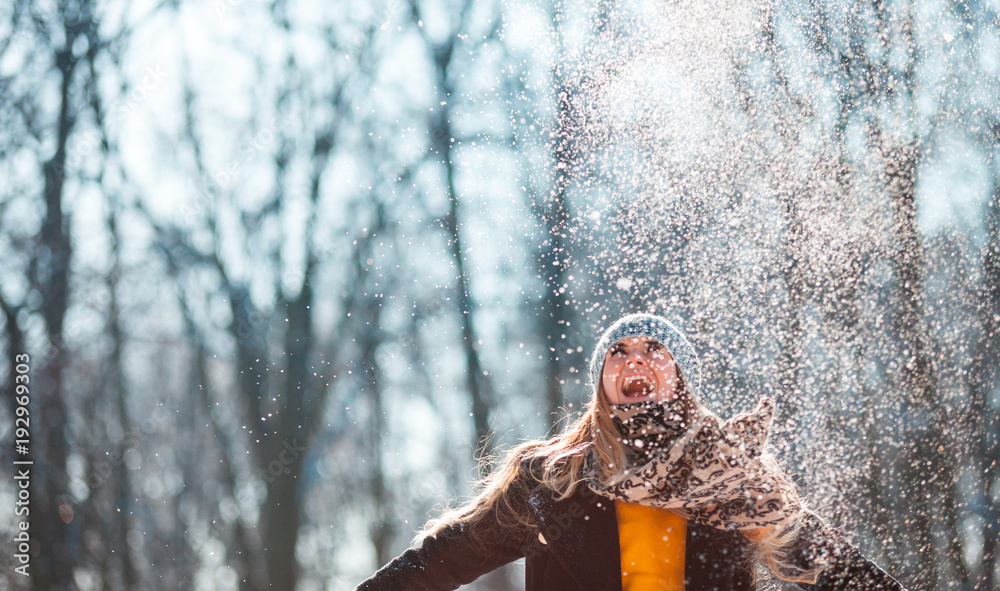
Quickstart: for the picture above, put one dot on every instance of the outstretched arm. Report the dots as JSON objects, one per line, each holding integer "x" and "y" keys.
{"x": 851, "y": 570}
{"x": 447, "y": 560}
{"x": 462, "y": 552}
{"x": 847, "y": 569}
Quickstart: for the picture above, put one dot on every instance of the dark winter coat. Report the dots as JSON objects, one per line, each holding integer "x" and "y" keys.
{"x": 580, "y": 552}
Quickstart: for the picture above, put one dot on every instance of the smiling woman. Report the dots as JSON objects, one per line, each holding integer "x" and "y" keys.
{"x": 648, "y": 489}
{"x": 637, "y": 369}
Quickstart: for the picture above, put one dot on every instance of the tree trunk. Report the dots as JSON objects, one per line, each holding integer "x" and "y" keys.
{"x": 982, "y": 377}
{"x": 791, "y": 359}
{"x": 54, "y": 555}
{"x": 122, "y": 485}
{"x": 554, "y": 260}
{"x": 369, "y": 334}
{"x": 927, "y": 465}
{"x": 475, "y": 380}
{"x": 15, "y": 346}
{"x": 245, "y": 552}
{"x": 281, "y": 512}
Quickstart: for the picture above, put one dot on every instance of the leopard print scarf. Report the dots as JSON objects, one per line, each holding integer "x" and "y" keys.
{"x": 711, "y": 472}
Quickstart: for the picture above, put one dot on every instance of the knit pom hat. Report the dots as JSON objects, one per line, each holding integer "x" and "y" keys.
{"x": 655, "y": 327}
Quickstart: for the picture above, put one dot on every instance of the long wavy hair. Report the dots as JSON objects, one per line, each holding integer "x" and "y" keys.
{"x": 560, "y": 463}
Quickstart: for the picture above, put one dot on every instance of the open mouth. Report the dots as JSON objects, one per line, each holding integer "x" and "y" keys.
{"x": 637, "y": 386}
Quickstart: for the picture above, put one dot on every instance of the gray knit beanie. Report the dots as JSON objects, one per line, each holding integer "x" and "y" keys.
{"x": 655, "y": 327}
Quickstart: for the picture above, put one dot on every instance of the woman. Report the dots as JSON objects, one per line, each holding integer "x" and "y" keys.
{"x": 648, "y": 489}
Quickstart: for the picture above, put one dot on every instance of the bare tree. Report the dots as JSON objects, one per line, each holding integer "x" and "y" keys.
{"x": 49, "y": 273}
{"x": 442, "y": 52}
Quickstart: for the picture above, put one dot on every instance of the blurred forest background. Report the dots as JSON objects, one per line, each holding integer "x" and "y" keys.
{"x": 286, "y": 268}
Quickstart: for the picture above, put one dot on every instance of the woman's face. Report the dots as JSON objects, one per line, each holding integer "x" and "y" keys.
{"x": 638, "y": 369}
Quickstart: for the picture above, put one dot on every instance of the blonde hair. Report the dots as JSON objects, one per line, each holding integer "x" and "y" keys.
{"x": 560, "y": 464}
{"x": 556, "y": 463}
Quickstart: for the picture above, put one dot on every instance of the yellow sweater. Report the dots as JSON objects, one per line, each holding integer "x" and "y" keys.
{"x": 652, "y": 544}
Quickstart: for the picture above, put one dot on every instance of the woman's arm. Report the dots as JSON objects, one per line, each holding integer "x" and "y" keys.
{"x": 462, "y": 552}
{"x": 447, "y": 560}
{"x": 850, "y": 570}
{"x": 847, "y": 568}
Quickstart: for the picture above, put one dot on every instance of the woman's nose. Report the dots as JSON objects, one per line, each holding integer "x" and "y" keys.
{"x": 637, "y": 358}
